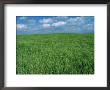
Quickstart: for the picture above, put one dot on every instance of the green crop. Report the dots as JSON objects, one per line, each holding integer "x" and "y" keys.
{"x": 55, "y": 54}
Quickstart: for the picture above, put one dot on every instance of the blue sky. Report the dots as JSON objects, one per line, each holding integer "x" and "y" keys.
{"x": 54, "y": 24}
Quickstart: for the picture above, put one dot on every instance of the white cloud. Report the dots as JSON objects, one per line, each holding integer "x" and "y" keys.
{"x": 22, "y": 17}
{"x": 31, "y": 22}
{"x": 48, "y": 20}
{"x": 46, "y": 25}
{"x": 60, "y": 23}
{"x": 88, "y": 27}
{"x": 61, "y": 17}
{"x": 71, "y": 20}
{"x": 77, "y": 20}
{"x": 21, "y": 26}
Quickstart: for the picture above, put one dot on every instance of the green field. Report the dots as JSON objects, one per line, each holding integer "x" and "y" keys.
{"x": 55, "y": 54}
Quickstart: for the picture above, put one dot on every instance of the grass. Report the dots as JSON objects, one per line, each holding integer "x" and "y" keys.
{"x": 55, "y": 54}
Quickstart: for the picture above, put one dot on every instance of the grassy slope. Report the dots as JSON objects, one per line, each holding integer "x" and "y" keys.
{"x": 55, "y": 54}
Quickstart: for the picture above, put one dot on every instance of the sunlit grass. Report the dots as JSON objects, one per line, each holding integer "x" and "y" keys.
{"x": 55, "y": 54}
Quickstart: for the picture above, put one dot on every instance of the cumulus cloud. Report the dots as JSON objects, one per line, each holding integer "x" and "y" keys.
{"x": 56, "y": 24}
{"x": 31, "y": 22}
{"x": 61, "y": 17}
{"x": 22, "y": 17}
{"x": 48, "y": 20}
{"x": 88, "y": 27}
{"x": 77, "y": 20}
{"x": 60, "y": 23}
{"x": 21, "y": 26}
{"x": 46, "y": 25}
